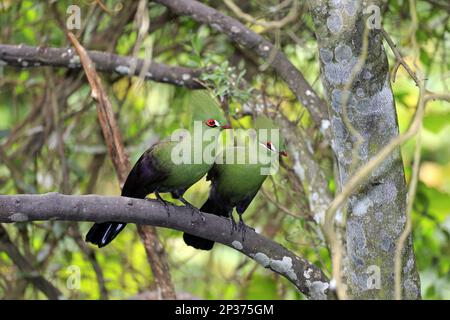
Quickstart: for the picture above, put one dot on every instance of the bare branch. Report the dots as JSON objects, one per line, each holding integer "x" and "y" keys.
{"x": 25, "y": 57}
{"x": 309, "y": 279}
{"x": 400, "y": 60}
{"x": 105, "y": 113}
{"x": 268, "y": 25}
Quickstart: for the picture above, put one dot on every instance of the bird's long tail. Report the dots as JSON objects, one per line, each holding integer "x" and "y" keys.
{"x": 198, "y": 242}
{"x": 101, "y": 234}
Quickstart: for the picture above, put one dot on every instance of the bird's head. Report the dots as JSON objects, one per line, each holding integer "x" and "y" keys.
{"x": 268, "y": 135}
{"x": 271, "y": 147}
{"x": 206, "y": 109}
{"x": 213, "y": 123}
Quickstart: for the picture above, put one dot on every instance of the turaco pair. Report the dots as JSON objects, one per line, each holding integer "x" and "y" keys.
{"x": 233, "y": 184}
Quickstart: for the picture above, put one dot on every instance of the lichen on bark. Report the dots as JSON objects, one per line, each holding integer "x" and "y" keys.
{"x": 361, "y": 104}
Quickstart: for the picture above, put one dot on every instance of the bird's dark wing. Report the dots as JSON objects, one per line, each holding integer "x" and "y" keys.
{"x": 214, "y": 205}
{"x": 212, "y": 174}
{"x": 141, "y": 180}
{"x": 244, "y": 203}
{"x": 144, "y": 177}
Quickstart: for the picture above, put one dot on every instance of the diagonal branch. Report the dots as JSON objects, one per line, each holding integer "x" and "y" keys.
{"x": 257, "y": 44}
{"x": 156, "y": 258}
{"x": 105, "y": 113}
{"x": 309, "y": 279}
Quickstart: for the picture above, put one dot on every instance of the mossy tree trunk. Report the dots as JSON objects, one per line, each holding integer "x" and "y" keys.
{"x": 363, "y": 120}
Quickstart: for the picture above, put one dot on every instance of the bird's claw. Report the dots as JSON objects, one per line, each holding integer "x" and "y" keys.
{"x": 233, "y": 225}
{"x": 195, "y": 210}
{"x": 242, "y": 227}
{"x": 164, "y": 203}
{"x": 166, "y": 206}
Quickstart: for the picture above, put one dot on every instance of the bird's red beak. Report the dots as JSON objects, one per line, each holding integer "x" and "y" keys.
{"x": 284, "y": 153}
{"x": 227, "y": 126}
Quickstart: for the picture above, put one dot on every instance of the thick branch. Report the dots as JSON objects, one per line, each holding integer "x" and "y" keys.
{"x": 257, "y": 44}
{"x": 53, "y": 206}
{"x": 25, "y": 56}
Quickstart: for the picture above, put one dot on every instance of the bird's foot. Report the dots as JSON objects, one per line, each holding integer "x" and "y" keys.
{"x": 242, "y": 227}
{"x": 164, "y": 203}
{"x": 233, "y": 224}
{"x": 193, "y": 209}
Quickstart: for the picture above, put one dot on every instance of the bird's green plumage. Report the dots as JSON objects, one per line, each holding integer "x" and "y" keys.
{"x": 238, "y": 173}
{"x": 183, "y": 175}
{"x": 160, "y": 170}
{"x": 237, "y": 180}
{"x": 272, "y": 130}
{"x": 203, "y": 106}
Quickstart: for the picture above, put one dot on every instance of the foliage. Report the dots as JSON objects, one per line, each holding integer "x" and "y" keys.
{"x": 50, "y": 141}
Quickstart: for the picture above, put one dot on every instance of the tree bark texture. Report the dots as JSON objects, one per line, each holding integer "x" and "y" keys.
{"x": 309, "y": 279}
{"x": 355, "y": 75}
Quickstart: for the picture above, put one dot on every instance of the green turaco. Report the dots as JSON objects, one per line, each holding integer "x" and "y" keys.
{"x": 164, "y": 168}
{"x": 237, "y": 174}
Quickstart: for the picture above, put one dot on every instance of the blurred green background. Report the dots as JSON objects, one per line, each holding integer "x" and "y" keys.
{"x": 33, "y": 156}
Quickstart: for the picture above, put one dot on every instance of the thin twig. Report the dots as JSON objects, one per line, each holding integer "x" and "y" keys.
{"x": 268, "y": 25}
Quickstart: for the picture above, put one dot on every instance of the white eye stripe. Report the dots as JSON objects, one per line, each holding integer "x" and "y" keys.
{"x": 269, "y": 146}
{"x": 212, "y": 123}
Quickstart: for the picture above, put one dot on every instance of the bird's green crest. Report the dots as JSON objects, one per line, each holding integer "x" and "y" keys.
{"x": 203, "y": 107}
{"x": 264, "y": 122}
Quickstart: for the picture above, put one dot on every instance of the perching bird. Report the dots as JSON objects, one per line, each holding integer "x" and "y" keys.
{"x": 234, "y": 185}
{"x": 159, "y": 169}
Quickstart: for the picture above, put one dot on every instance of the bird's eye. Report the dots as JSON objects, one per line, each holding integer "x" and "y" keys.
{"x": 212, "y": 123}
{"x": 270, "y": 146}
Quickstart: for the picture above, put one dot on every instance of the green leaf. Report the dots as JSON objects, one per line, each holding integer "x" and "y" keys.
{"x": 435, "y": 122}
